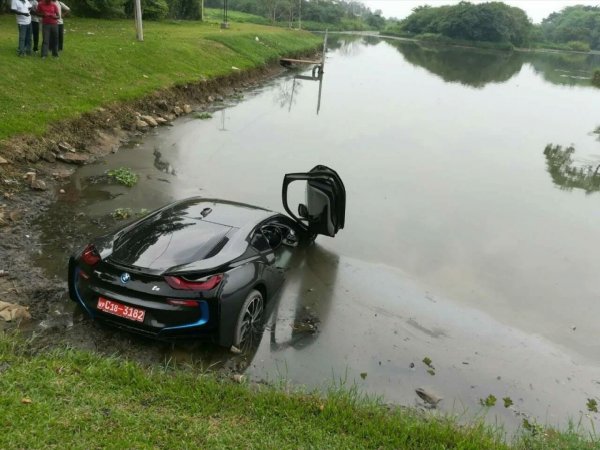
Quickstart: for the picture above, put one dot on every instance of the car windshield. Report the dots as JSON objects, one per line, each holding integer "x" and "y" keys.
{"x": 167, "y": 240}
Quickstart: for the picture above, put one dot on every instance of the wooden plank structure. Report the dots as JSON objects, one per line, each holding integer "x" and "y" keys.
{"x": 317, "y": 72}
{"x": 319, "y": 64}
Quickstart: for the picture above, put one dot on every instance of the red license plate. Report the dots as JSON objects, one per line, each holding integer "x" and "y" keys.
{"x": 118, "y": 309}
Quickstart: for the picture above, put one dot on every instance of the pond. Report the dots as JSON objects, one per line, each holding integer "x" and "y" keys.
{"x": 471, "y": 221}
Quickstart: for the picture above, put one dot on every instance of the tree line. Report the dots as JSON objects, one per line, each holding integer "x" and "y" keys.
{"x": 339, "y": 14}
{"x": 351, "y": 14}
{"x": 114, "y": 9}
{"x": 575, "y": 27}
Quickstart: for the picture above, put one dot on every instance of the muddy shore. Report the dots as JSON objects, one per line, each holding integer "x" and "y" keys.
{"x": 52, "y": 159}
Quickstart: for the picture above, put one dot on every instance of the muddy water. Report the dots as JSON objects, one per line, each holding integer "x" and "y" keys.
{"x": 463, "y": 242}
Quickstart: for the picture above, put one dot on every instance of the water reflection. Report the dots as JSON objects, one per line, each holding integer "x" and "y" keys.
{"x": 479, "y": 67}
{"x": 161, "y": 164}
{"x": 284, "y": 94}
{"x": 306, "y": 299}
{"x": 566, "y": 174}
{"x": 570, "y": 69}
{"x": 286, "y": 91}
{"x": 474, "y": 68}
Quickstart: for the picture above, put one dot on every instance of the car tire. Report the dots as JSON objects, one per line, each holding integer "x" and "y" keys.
{"x": 249, "y": 326}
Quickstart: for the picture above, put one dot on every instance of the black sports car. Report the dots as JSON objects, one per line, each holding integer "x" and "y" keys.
{"x": 202, "y": 267}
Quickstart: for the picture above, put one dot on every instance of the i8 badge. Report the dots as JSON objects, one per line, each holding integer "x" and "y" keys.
{"x": 125, "y": 277}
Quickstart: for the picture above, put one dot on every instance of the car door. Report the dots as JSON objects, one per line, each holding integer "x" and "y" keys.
{"x": 325, "y": 208}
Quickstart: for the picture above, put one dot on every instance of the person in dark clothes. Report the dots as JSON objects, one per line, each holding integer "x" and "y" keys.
{"x": 64, "y": 10}
{"x": 50, "y": 14}
{"x": 35, "y": 27}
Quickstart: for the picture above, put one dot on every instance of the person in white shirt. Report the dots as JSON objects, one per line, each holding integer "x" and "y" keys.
{"x": 35, "y": 26}
{"x": 22, "y": 8}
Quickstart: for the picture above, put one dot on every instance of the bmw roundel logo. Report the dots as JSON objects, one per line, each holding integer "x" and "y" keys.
{"x": 125, "y": 277}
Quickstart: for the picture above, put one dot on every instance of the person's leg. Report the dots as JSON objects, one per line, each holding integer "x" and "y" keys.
{"x": 51, "y": 43}
{"x": 35, "y": 31}
{"x": 28, "y": 40}
{"x": 61, "y": 36}
{"x": 45, "y": 39}
{"x": 54, "y": 40}
{"x": 22, "y": 32}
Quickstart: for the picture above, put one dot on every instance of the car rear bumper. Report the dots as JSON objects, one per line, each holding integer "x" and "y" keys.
{"x": 162, "y": 320}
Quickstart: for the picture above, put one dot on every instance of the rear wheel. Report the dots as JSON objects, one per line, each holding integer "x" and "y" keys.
{"x": 250, "y": 321}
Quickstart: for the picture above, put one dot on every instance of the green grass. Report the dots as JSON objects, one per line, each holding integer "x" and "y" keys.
{"x": 216, "y": 15}
{"x": 103, "y": 63}
{"x": 79, "y": 399}
{"x": 342, "y": 25}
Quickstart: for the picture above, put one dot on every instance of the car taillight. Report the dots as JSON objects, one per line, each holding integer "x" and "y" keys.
{"x": 90, "y": 255}
{"x": 203, "y": 284}
{"x": 177, "y": 302}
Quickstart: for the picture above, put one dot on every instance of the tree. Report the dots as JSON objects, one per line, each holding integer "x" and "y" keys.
{"x": 573, "y": 23}
{"x": 492, "y": 22}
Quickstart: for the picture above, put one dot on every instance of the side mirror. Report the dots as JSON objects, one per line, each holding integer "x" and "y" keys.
{"x": 303, "y": 211}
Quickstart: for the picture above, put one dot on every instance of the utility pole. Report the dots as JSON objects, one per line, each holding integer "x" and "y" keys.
{"x": 299, "y": 14}
{"x": 225, "y": 23}
{"x": 139, "y": 30}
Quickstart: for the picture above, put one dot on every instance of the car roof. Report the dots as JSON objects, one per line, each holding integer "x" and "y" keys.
{"x": 222, "y": 212}
{"x": 242, "y": 218}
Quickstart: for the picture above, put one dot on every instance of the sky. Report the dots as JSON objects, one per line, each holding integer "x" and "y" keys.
{"x": 536, "y": 9}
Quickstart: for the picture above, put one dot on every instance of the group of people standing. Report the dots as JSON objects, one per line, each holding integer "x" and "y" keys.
{"x": 34, "y": 16}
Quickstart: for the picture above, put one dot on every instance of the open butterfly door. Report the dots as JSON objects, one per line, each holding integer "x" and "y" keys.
{"x": 325, "y": 208}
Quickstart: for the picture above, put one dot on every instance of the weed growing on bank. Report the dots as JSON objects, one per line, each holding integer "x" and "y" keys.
{"x": 124, "y": 175}
{"x": 203, "y": 116}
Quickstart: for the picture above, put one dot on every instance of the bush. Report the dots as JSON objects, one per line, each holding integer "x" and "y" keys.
{"x": 578, "y": 46}
{"x": 596, "y": 82}
{"x": 184, "y": 9}
{"x": 151, "y": 9}
{"x": 105, "y": 9}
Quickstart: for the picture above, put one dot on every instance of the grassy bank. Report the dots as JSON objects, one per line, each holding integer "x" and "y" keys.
{"x": 344, "y": 24}
{"x": 72, "y": 398}
{"x": 444, "y": 40}
{"x": 103, "y": 63}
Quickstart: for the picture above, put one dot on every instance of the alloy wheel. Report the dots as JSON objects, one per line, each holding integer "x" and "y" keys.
{"x": 251, "y": 325}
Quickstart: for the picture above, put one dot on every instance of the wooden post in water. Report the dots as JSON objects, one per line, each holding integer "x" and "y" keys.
{"x": 324, "y": 52}
{"x": 139, "y": 31}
